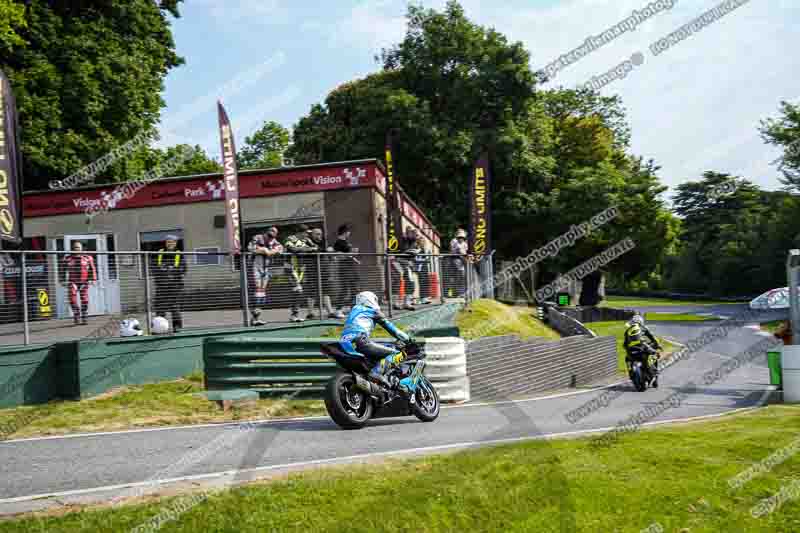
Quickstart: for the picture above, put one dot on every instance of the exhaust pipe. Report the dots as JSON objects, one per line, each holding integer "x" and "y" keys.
{"x": 366, "y": 386}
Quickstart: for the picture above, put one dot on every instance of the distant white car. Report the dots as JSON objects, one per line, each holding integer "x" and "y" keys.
{"x": 773, "y": 299}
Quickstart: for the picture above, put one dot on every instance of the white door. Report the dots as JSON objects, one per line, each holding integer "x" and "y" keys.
{"x": 104, "y": 297}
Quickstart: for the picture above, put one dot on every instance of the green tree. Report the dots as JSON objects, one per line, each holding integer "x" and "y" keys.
{"x": 451, "y": 89}
{"x": 265, "y": 148}
{"x": 785, "y": 132}
{"x": 87, "y": 78}
{"x": 12, "y": 20}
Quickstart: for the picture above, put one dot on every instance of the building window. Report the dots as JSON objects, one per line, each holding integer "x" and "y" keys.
{"x": 153, "y": 241}
{"x": 215, "y": 260}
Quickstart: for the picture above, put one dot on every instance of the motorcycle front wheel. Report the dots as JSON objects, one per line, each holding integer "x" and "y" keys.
{"x": 348, "y": 406}
{"x": 426, "y": 407}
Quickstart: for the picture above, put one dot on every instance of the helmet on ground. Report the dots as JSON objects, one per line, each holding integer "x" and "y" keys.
{"x": 130, "y": 328}
{"x": 160, "y": 325}
{"x": 368, "y": 299}
{"x": 637, "y": 319}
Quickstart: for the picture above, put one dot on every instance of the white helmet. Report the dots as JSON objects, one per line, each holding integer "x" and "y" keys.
{"x": 160, "y": 325}
{"x": 130, "y": 328}
{"x": 637, "y": 319}
{"x": 368, "y": 299}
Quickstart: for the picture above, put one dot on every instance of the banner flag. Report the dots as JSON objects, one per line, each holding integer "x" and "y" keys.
{"x": 10, "y": 166}
{"x": 393, "y": 214}
{"x": 233, "y": 212}
{"x": 480, "y": 209}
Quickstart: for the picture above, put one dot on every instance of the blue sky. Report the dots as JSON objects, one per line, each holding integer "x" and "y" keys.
{"x": 694, "y": 107}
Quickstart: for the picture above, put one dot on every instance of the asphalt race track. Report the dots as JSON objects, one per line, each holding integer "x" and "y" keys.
{"x": 49, "y": 472}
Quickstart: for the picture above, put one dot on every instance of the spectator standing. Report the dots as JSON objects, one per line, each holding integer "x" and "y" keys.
{"x": 80, "y": 273}
{"x": 304, "y": 269}
{"x": 410, "y": 248}
{"x": 347, "y": 270}
{"x": 169, "y": 273}
{"x": 264, "y": 248}
{"x": 460, "y": 247}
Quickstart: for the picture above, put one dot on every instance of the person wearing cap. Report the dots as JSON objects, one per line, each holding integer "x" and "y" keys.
{"x": 169, "y": 271}
{"x": 460, "y": 247}
{"x": 303, "y": 269}
{"x": 263, "y": 248}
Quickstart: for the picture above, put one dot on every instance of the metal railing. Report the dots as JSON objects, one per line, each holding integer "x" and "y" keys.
{"x": 52, "y": 296}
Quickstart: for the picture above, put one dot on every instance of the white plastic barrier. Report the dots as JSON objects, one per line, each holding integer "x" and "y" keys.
{"x": 790, "y": 365}
{"x": 447, "y": 368}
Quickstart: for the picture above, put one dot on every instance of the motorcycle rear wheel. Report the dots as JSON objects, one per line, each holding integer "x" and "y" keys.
{"x": 638, "y": 379}
{"x": 347, "y": 405}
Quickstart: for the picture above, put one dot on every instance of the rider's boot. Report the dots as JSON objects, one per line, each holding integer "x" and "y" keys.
{"x": 378, "y": 372}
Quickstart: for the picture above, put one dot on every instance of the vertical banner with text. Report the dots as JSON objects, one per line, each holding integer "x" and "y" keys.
{"x": 480, "y": 209}
{"x": 393, "y": 222}
{"x": 10, "y": 166}
{"x": 233, "y": 213}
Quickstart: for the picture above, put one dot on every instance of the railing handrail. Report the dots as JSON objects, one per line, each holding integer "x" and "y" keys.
{"x": 186, "y": 252}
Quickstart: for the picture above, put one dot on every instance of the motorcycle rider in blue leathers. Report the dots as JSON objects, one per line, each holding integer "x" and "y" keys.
{"x": 357, "y": 330}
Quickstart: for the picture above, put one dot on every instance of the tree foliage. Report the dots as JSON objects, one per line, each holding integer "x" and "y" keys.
{"x": 88, "y": 77}
{"x": 732, "y": 244}
{"x": 265, "y": 148}
{"x": 785, "y": 132}
{"x": 451, "y": 89}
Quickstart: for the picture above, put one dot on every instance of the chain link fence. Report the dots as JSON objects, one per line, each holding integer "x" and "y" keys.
{"x": 65, "y": 296}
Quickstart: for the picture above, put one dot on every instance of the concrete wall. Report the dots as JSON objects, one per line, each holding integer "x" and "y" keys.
{"x": 508, "y": 367}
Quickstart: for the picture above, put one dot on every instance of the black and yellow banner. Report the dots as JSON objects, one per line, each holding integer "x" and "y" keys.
{"x": 10, "y": 166}
{"x": 393, "y": 214}
{"x": 480, "y": 209}
{"x": 233, "y": 212}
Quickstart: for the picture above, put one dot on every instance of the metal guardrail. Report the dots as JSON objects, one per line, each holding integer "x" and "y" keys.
{"x": 39, "y": 303}
{"x": 267, "y": 366}
{"x": 283, "y": 366}
{"x": 566, "y": 325}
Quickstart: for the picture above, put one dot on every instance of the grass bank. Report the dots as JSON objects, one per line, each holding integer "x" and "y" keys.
{"x": 633, "y": 302}
{"x": 677, "y": 317}
{"x": 158, "y": 404}
{"x": 672, "y": 479}
{"x": 488, "y": 318}
{"x": 616, "y": 328}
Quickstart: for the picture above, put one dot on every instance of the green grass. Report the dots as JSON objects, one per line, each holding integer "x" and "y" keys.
{"x": 633, "y": 302}
{"x": 772, "y": 327}
{"x": 616, "y": 328}
{"x": 486, "y": 318}
{"x": 675, "y": 477}
{"x": 158, "y": 404}
{"x": 677, "y": 317}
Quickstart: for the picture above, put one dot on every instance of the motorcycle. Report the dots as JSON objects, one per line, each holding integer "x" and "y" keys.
{"x": 642, "y": 374}
{"x": 351, "y": 399}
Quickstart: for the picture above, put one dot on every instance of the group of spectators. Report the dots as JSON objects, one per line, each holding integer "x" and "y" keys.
{"x": 411, "y": 270}
{"x": 303, "y": 270}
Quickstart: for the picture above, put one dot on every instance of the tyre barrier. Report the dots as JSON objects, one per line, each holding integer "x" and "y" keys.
{"x": 278, "y": 366}
{"x": 447, "y": 368}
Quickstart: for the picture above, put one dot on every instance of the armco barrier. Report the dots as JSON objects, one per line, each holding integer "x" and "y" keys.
{"x": 283, "y": 366}
{"x": 566, "y": 325}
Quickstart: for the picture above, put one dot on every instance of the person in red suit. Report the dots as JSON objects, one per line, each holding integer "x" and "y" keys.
{"x": 81, "y": 272}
